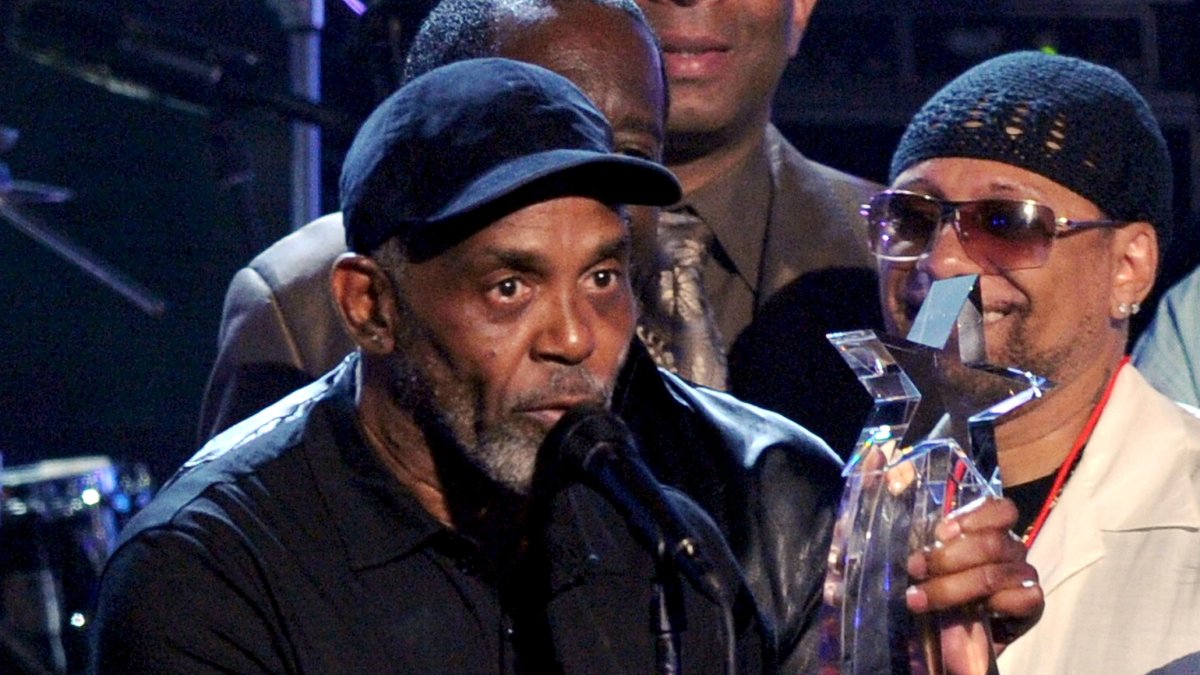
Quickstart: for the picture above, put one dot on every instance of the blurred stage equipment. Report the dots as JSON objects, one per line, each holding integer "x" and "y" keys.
{"x": 905, "y": 51}
{"x": 60, "y": 523}
{"x": 303, "y": 21}
{"x": 135, "y": 57}
{"x": 132, "y": 56}
{"x": 15, "y": 194}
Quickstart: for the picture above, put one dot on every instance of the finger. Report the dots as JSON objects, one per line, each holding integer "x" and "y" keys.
{"x": 1027, "y": 600}
{"x": 1015, "y": 611}
{"x": 899, "y": 477}
{"x": 973, "y": 549}
{"x": 964, "y": 551}
{"x": 972, "y": 585}
{"x": 833, "y": 592}
{"x": 986, "y": 514}
{"x": 918, "y": 566}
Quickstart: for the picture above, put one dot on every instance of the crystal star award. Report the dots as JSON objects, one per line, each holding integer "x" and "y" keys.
{"x": 911, "y": 467}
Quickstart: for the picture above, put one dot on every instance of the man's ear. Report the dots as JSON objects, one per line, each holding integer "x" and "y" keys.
{"x": 363, "y": 294}
{"x": 801, "y": 11}
{"x": 1135, "y": 252}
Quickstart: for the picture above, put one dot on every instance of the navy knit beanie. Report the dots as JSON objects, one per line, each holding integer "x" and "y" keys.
{"x": 1079, "y": 124}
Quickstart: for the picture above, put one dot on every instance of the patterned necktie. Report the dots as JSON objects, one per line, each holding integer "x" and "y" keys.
{"x": 677, "y": 325}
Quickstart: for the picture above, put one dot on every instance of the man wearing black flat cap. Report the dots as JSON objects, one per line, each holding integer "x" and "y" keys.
{"x": 389, "y": 516}
{"x": 382, "y": 518}
{"x": 771, "y": 487}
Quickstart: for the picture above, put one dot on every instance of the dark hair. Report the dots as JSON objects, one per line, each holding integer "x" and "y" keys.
{"x": 457, "y": 30}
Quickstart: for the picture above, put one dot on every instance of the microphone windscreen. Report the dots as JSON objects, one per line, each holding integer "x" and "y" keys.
{"x": 583, "y": 431}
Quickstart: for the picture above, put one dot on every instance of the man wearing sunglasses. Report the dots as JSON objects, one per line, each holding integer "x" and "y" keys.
{"x": 1049, "y": 177}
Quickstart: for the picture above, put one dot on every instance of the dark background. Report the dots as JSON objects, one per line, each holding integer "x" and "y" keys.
{"x": 85, "y": 372}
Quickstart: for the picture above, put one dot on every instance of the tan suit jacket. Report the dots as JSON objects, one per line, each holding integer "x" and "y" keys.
{"x": 815, "y": 219}
{"x": 279, "y": 329}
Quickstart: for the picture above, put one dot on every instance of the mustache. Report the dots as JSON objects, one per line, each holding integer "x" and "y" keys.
{"x": 574, "y": 382}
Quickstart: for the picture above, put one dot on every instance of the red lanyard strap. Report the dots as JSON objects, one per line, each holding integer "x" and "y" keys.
{"x": 1072, "y": 460}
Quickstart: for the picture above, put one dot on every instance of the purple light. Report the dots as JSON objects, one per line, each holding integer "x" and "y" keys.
{"x": 356, "y": 6}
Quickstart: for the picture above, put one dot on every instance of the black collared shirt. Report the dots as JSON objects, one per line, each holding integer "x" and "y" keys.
{"x": 285, "y": 547}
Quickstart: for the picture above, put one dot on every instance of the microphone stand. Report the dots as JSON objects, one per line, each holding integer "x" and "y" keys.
{"x": 303, "y": 21}
{"x": 14, "y": 193}
{"x": 668, "y": 619}
{"x": 592, "y": 446}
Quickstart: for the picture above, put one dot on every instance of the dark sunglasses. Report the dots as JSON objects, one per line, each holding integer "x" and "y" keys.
{"x": 1001, "y": 233}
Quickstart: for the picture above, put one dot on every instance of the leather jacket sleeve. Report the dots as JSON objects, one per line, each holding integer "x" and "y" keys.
{"x": 788, "y": 530}
{"x": 771, "y": 487}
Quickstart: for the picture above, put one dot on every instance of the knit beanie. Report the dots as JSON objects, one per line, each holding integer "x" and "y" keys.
{"x": 1079, "y": 124}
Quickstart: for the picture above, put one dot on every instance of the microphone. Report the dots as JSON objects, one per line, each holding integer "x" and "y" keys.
{"x": 593, "y": 446}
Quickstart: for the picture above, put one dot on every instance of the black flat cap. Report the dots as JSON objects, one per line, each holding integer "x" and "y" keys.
{"x": 465, "y": 144}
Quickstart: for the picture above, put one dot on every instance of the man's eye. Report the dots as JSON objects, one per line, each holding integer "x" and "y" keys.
{"x": 508, "y": 288}
{"x": 605, "y": 278}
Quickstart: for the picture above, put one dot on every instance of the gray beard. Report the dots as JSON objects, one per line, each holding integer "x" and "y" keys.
{"x": 506, "y": 453}
{"x": 450, "y": 413}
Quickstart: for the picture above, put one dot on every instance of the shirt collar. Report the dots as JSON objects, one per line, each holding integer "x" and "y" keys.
{"x": 376, "y": 519}
{"x": 736, "y": 206}
{"x": 379, "y": 521}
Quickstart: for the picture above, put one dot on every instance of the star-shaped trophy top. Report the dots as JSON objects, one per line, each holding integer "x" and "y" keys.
{"x": 901, "y": 375}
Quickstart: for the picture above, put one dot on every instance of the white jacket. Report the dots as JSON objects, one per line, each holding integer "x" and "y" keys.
{"x": 1119, "y": 556}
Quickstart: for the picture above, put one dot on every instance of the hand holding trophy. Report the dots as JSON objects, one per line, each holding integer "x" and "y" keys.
{"x": 918, "y": 487}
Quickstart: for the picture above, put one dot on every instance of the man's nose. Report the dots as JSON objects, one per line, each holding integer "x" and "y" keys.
{"x": 568, "y": 333}
{"x": 946, "y": 256}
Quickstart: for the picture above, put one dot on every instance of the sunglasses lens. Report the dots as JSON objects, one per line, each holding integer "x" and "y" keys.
{"x": 1006, "y": 234}
{"x": 901, "y": 225}
{"x": 997, "y": 233}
